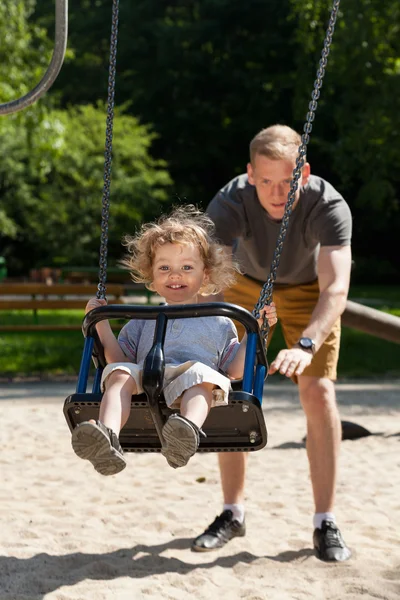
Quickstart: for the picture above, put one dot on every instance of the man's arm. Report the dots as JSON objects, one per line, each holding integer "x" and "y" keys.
{"x": 334, "y": 265}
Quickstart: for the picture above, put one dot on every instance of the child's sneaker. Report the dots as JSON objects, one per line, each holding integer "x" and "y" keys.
{"x": 98, "y": 444}
{"x": 182, "y": 438}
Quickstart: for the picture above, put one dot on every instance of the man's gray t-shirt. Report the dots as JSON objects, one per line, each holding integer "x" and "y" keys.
{"x": 212, "y": 341}
{"x": 321, "y": 218}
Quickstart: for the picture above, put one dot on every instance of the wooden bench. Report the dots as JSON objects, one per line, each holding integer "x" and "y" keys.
{"x": 40, "y": 296}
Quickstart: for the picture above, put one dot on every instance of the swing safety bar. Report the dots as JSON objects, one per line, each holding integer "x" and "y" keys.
{"x": 239, "y": 426}
{"x": 60, "y": 45}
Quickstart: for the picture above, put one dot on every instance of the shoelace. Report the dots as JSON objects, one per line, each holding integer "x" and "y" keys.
{"x": 333, "y": 537}
{"x": 219, "y": 523}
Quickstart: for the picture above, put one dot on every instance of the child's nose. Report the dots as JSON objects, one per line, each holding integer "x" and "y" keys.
{"x": 175, "y": 273}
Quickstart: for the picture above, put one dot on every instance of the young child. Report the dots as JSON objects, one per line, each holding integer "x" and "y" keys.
{"x": 178, "y": 258}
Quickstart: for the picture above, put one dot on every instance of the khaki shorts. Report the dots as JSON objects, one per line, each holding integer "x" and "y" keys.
{"x": 177, "y": 379}
{"x": 294, "y": 305}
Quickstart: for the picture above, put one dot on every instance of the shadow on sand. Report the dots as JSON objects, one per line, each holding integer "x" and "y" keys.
{"x": 33, "y": 578}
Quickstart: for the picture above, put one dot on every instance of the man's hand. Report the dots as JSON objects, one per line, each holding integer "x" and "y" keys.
{"x": 291, "y": 362}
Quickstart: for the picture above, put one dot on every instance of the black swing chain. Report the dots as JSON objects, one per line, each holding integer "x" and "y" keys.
{"x": 105, "y": 212}
{"x": 266, "y": 291}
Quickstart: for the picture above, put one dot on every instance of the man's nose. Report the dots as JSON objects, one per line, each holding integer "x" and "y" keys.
{"x": 278, "y": 189}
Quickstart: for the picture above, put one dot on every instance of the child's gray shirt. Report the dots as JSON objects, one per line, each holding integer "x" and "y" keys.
{"x": 212, "y": 341}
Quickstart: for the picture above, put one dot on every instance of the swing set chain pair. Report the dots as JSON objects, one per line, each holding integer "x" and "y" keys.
{"x": 266, "y": 291}
{"x": 105, "y": 213}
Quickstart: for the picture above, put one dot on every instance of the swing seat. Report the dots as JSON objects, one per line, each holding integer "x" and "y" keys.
{"x": 237, "y": 427}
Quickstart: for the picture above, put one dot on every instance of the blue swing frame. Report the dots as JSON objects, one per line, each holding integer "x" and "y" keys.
{"x": 241, "y": 428}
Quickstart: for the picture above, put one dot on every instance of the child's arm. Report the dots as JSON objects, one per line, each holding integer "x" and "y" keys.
{"x": 235, "y": 368}
{"x": 112, "y": 350}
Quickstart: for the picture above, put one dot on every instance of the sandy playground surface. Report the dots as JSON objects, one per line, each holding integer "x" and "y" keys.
{"x": 68, "y": 533}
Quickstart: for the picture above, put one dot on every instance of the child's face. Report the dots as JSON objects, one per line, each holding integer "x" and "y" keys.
{"x": 178, "y": 273}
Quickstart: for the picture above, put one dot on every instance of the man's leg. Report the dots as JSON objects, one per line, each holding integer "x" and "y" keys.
{"x": 318, "y": 399}
{"x": 232, "y": 466}
{"x": 295, "y": 305}
{"x": 230, "y": 523}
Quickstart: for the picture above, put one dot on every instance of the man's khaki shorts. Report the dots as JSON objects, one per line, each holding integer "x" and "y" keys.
{"x": 294, "y": 305}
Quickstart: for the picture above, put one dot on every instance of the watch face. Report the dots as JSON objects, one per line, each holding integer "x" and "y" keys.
{"x": 306, "y": 342}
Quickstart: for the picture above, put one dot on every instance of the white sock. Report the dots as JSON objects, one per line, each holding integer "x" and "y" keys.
{"x": 237, "y": 511}
{"x": 319, "y": 517}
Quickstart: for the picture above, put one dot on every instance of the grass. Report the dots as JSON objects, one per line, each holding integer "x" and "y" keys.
{"x": 376, "y": 294}
{"x": 59, "y": 353}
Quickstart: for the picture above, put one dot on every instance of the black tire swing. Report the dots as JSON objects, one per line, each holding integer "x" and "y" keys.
{"x": 240, "y": 425}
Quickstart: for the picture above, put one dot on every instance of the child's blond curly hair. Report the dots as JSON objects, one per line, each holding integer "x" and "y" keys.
{"x": 184, "y": 225}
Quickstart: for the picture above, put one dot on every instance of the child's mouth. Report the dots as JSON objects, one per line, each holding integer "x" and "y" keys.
{"x": 176, "y": 286}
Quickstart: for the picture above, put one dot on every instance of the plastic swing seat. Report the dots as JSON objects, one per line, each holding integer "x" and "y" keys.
{"x": 237, "y": 427}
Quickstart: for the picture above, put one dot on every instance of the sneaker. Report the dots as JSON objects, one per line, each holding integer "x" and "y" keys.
{"x": 223, "y": 529}
{"x": 181, "y": 440}
{"x": 329, "y": 544}
{"x": 99, "y": 445}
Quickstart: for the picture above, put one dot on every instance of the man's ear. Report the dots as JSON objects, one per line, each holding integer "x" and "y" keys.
{"x": 305, "y": 173}
{"x": 250, "y": 174}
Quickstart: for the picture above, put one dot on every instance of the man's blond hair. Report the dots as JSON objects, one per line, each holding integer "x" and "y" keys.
{"x": 276, "y": 142}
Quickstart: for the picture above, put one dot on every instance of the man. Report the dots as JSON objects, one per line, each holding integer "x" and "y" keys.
{"x": 310, "y": 295}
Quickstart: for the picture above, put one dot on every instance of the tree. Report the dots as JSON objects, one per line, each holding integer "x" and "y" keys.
{"x": 53, "y": 194}
{"x": 206, "y": 74}
{"x": 51, "y": 164}
{"x": 356, "y": 135}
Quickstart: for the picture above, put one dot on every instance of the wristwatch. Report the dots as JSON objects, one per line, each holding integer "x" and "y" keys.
{"x": 306, "y": 344}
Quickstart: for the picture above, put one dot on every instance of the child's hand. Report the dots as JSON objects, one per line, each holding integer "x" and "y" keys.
{"x": 94, "y": 303}
{"x": 270, "y": 313}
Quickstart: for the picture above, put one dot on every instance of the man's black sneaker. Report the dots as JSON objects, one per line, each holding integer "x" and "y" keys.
{"x": 329, "y": 544}
{"x": 223, "y": 529}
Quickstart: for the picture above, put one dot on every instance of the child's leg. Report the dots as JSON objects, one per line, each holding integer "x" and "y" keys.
{"x": 181, "y": 432}
{"x": 98, "y": 441}
{"x": 196, "y": 403}
{"x": 115, "y": 406}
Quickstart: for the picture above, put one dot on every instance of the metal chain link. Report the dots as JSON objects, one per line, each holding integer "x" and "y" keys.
{"x": 266, "y": 291}
{"x": 105, "y": 212}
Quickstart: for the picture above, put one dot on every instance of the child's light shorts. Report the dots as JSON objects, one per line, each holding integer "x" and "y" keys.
{"x": 177, "y": 379}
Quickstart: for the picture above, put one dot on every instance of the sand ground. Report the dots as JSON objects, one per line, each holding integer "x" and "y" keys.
{"x": 68, "y": 533}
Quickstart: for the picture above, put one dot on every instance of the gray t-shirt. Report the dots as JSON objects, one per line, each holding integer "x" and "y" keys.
{"x": 321, "y": 218}
{"x": 212, "y": 341}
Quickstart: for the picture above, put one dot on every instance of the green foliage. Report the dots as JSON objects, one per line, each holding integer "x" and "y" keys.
{"x": 52, "y": 161}
{"x": 207, "y": 76}
{"x": 356, "y": 135}
{"x": 53, "y": 178}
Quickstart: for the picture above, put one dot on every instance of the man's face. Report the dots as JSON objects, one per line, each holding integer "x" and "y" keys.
{"x": 272, "y": 179}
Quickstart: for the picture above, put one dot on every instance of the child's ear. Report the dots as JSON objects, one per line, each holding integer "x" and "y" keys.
{"x": 150, "y": 287}
{"x": 205, "y": 282}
